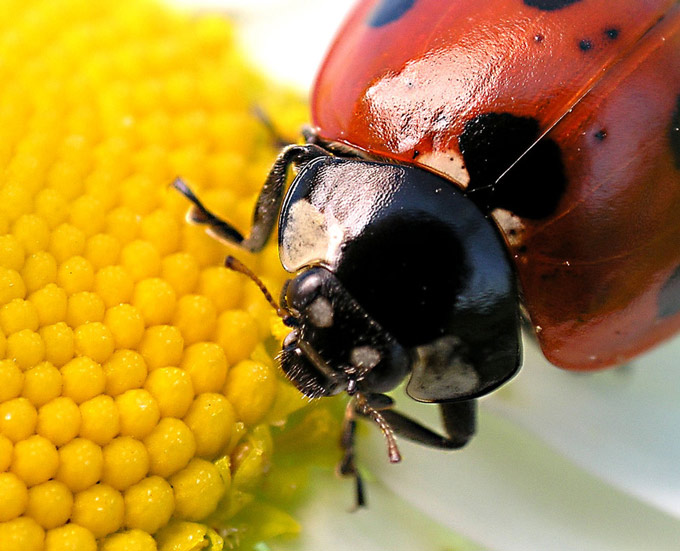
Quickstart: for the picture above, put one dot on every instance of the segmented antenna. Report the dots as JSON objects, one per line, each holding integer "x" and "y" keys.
{"x": 235, "y": 264}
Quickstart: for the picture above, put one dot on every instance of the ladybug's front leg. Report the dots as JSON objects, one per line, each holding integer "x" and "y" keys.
{"x": 267, "y": 206}
{"x": 347, "y": 466}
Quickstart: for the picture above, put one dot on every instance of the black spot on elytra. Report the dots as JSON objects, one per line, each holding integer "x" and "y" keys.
{"x": 600, "y": 135}
{"x": 669, "y": 297}
{"x": 612, "y": 33}
{"x": 549, "y": 5}
{"x": 538, "y": 38}
{"x": 490, "y": 144}
{"x": 675, "y": 134}
{"x": 585, "y": 45}
{"x": 388, "y": 11}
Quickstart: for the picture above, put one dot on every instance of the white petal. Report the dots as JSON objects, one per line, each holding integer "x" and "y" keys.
{"x": 621, "y": 425}
{"x": 286, "y": 38}
{"x": 509, "y": 490}
{"x": 388, "y": 523}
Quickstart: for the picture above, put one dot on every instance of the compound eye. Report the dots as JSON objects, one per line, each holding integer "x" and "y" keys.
{"x": 303, "y": 290}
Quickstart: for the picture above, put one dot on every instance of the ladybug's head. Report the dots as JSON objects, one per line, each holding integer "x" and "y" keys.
{"x": 335, "y": 345}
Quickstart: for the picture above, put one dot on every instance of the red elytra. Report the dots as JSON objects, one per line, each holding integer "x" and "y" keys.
{"x": 564, "y": 116}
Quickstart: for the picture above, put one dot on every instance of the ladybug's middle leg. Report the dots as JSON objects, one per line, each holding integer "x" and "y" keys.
{"x": 458, "y": 419}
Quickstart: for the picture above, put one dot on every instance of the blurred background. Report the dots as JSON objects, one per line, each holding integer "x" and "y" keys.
{"x": 287, "y": 38}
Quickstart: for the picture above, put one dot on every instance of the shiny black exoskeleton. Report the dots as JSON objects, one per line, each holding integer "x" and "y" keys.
{"x": 398, "y": 274}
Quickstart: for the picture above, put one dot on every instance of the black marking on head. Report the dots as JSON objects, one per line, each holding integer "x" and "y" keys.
{"x": 585, "y": 45}
{"x": 600, "y": 135}
{"x": 388, "y": 11}
{"x": 669, "y": 297}
{"x": 490, "y": 144}
{"x": 675, "y": 134}
{"x": 549, "y": 5}
{"x": 612, "y": 33}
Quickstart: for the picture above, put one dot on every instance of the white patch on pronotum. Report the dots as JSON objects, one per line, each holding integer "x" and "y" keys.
{"x": 336, "y": 236}
{"x": 364, "y": 357}
{"x": 320, "y": 312}
{"x": 464, "y": 378}
{"x": 511, "y": 225}
{"x": 305, "y": 238}
{"x": 449, "y": 163}
{"x": 309, "y": 236}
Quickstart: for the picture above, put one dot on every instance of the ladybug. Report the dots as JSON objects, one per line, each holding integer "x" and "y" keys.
{"x": 470, "y": 166}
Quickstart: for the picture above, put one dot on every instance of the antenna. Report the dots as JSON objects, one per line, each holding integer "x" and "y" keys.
{"x": 235, "y": 264}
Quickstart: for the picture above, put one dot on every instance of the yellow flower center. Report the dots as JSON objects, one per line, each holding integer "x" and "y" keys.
{"x": 137, "y": 386}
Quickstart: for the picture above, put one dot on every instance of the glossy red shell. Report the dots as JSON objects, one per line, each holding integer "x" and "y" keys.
{"x": 599, "y": 274}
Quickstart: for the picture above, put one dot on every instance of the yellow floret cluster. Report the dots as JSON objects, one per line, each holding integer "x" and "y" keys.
{"x": 136, "y": 394}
